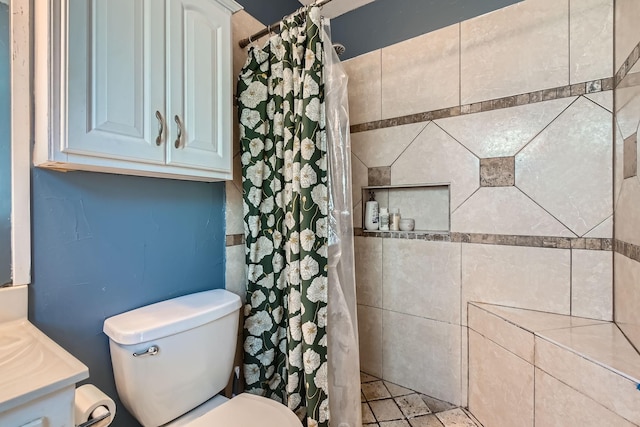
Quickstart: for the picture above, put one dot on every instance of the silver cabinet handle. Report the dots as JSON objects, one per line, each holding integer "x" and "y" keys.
{"x": 179, "y": 138}
{"x": 151, "y": 351}
{"x": 160, "y": 127}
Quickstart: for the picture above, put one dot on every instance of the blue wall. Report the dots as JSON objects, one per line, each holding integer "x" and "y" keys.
{"x": 5, "y": 148}
{"x": 104, "y": 244}
{"x": 382, "y": 22}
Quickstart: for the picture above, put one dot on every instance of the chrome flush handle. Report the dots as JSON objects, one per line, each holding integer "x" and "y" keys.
{"x": 160, "y": 127}
{"x": 151, "y": 351}
{"x": 179, "y": 138}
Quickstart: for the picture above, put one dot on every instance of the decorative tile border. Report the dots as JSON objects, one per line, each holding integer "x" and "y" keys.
{"x": 596, "y": 244}
{"x": 628, "y": 64}
{"x": 235, "y": 240}
{"x": 577, "y": 89}
{"x": 629, "y": 250}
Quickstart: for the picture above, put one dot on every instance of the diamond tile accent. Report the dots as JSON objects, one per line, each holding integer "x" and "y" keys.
{"x": 381, "y": 147}
{"x": 380, "y": 176}
{"x": 501, "y": 133}
{"x": 497, "y": 172}
{"x": 428, "y": 160}
{"x": 506, "y": 211}
{"x": 567, "y": 169}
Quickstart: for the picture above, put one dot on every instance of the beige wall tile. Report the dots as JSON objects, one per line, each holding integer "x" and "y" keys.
{"x": 506, "y": 334}
{"x": 357, "y": 215}
{"x": 464, "y": 367}
{"x": 503, "y": 132}
{"x": 627, "y": 290}
{"x": 573, "y": 156}
{"x": 422, "y": 278}
{"x": 370, "y": 338}
{"x": 592, "y": 284}
{"x": 557, "y": 404}
{"x": 626, "y": 28}
{"x": 421, "y": 74}
{"x": 626, "y": 218}
{"x": 501, "y": 385}
{"x": 364, "y": 73}
{"x": 435, "y": 157}
{"x": 235, "y": 271}
{"x": 495, "y": 64}
{"x": 505, "y": 210}
{"x": 611, "y": 390}
{"x": 618, "y": 173}
{"x": 603, "y": 99}
{"x": 428, "y": 206}
{"x": 381, "y": 147}
{"x": 423, "y": 355}
{"x": 234, "y": 215}
{"x": 368, "y": 260}
{"x": 627, "y": 110}
{"x": 632, "y": 332}
{"x": 242, "y": 26}
{"x": 591, "y": 38}
{"x": 604, "y": 230}
{"x": 524, "y": 277}
{"x": 359, "y": 179}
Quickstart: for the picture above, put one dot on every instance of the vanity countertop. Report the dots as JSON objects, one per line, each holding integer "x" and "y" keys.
{"x": 32, "y": 365}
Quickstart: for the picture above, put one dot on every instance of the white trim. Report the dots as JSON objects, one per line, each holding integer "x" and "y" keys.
{"x": 20, "y": 141}
{"x": 231, "y": 5}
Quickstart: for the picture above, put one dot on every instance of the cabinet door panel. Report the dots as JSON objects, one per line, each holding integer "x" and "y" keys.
{"x": 116, "y": 79}
{"x": 200, "y": 84}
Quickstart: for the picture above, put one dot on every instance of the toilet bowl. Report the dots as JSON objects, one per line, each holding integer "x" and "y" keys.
{"x": 172, "y": 358}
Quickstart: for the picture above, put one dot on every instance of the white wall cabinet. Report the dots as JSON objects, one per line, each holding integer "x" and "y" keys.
{"x": 140, "y": 87}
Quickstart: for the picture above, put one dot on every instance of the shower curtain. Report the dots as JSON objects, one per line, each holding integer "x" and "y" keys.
{"x": 300, "y": 333}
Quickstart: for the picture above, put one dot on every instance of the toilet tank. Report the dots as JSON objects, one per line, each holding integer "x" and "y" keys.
{"x": 195, "y": 337}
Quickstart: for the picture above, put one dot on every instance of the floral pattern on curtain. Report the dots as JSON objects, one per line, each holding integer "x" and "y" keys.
{"x": 284, "y": 166}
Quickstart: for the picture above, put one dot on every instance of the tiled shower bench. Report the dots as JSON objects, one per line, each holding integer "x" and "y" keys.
{"x": 529, "y": 368}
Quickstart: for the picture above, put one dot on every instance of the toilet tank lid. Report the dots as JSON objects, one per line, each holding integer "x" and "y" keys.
{"x": 170, "y": 317}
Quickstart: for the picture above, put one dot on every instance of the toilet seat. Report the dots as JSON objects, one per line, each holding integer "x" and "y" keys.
{"x": 248, "y": 410}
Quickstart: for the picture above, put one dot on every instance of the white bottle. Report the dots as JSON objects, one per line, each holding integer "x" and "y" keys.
{"x": 371, "y": 214}
{"x": 394, "y": 220}
{"x": 384, "y": 219}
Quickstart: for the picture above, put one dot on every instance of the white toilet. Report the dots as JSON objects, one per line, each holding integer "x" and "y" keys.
{"x": 171, "y": 359}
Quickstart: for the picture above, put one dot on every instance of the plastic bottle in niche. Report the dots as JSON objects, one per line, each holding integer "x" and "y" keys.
{"x": 384, "y": 219}
{"x": 371, "y": 214}
{"x": 394, "y": 219}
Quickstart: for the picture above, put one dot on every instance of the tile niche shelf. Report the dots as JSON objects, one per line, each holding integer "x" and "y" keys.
{"x": 427, "y": 204}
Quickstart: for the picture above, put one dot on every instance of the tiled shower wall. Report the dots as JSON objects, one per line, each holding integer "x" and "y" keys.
{"x": 514, "y": 110}
{"x": 627, "y": 226}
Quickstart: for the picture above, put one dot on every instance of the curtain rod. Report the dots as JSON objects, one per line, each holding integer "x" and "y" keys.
{"x": 276, "y": 25}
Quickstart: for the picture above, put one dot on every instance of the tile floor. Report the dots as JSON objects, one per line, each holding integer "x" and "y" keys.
{"x": 385, "y": 404}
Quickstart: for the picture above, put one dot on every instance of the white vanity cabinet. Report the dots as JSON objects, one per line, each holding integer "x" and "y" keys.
{"x": 136, "y": 87}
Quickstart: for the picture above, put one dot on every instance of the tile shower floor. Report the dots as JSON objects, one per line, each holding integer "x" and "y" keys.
{"x": 388, "y": 405}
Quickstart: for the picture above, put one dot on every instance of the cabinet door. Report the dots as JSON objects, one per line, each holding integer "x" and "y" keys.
{"x": 199, "y": 91}
{"x": 116, "y": 80}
